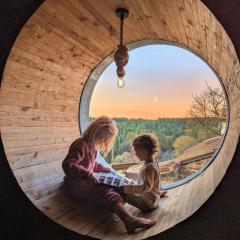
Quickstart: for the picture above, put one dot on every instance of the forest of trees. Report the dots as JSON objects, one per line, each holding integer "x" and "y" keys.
{"x": 174, "y": 135}
{"x": 205, "y": 119}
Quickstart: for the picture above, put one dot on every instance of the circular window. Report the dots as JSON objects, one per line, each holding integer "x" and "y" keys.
{"x": 170, "y": 92}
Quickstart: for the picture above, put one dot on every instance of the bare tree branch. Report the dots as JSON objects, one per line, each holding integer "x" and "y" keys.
{"x": 210, "y": 103}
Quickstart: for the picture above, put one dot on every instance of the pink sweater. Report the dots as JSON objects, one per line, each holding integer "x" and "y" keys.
{"x": 79, "y": 165}
{"x": 80, "y": 162}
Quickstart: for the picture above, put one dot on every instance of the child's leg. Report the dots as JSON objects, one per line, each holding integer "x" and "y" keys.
{"x": 111, "y": 199}
{"x": 130, "y": 222}
{"x": 137, "y": 201}
{"x": 114, "y": 201}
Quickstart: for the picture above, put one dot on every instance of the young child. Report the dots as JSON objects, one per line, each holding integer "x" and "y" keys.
{"x": 80, "y": 164}
{"x": 146, "y": 194}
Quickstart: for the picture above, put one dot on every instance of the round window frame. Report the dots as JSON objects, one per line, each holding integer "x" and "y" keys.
{"x": 88, "y": 88}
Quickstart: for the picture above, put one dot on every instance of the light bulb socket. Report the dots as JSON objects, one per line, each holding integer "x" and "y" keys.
{"x": 120, "y": 71}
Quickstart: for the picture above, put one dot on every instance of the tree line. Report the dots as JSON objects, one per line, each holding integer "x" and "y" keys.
{"x": 206, "y": 118}
{"x": 174, "y": 135}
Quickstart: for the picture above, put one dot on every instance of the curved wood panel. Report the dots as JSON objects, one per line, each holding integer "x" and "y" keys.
{"x": 47, "y": 68}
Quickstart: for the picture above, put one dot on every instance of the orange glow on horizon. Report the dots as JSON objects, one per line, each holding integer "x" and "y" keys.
{"x": 154, "y": 111}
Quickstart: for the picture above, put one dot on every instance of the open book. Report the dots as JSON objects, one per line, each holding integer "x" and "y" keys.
{"x": 113, "y": 178}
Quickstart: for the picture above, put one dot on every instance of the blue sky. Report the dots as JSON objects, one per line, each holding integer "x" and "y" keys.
{"x": 159, "y": 82}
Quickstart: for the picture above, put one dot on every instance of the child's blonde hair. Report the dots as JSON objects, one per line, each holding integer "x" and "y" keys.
{"x": 102, "y": 132}
{"x": 148, "y": 142}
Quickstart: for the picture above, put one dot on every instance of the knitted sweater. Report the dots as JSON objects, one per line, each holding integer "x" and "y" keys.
{"x": 80, "y": 162}
{"x": 148, "y": 184}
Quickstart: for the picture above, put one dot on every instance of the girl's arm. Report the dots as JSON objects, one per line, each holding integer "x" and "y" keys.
{"x": 146, "y": 186}
{"x": 98, "y": 167}
{"x": 71, "y": 164}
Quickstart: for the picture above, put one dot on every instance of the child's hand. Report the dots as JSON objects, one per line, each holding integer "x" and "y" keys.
{"x": 92, "y": 179}
{"x": 163, "y": 194}
{"x": 132, "y": 182}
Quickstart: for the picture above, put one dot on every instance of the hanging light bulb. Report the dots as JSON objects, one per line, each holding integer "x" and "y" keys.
{"x": 121, "y": 54}
{"x": 120, "y": 73}
{"x": 120, "y": 82}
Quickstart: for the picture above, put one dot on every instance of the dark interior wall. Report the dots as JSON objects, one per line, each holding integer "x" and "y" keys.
{"x": 218, "y": 218}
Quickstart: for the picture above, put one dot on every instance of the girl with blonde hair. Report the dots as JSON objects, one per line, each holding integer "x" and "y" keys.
{"x": 80, "y": 164}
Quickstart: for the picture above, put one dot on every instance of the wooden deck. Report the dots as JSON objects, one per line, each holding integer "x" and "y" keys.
{"x": 180, "y": 203}
{"x": 96, "y": 222}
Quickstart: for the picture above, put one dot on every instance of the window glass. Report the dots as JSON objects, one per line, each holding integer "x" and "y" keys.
{"x": 172, "y": 93}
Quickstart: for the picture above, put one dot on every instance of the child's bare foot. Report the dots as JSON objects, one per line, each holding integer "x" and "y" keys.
{"x": 163, "y": 194}
{"x": 135, "y": 223}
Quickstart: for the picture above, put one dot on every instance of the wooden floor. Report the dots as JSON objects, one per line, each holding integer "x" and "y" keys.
{"x": 100, "y": 223}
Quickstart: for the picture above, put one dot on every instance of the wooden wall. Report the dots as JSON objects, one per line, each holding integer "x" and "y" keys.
{"x": 55, "y": 53}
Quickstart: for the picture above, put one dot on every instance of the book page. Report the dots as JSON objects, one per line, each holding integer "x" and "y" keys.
{"x": 113, "y": 178}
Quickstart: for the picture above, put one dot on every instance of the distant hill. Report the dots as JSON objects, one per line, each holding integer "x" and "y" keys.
{"x": 207, "y": 146}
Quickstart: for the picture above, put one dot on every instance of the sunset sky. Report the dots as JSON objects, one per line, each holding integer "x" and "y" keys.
{"x": 159, "y": 82}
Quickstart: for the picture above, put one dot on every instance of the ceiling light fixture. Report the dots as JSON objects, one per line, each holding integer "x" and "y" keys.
{"x": 121, "y": 54}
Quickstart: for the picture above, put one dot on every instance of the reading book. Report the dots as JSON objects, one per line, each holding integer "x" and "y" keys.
{"x": 113, "y": 178}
